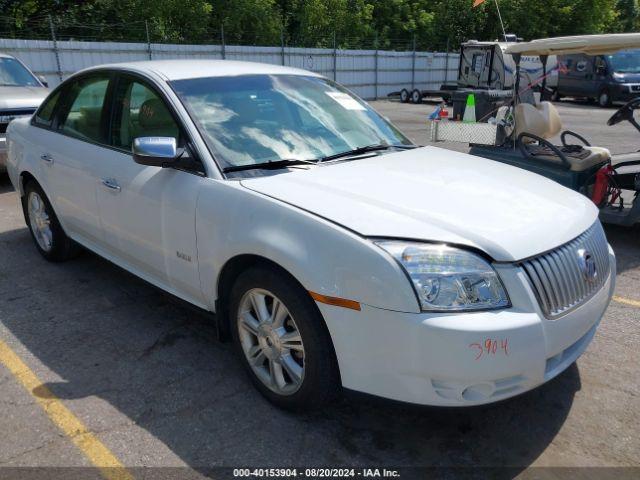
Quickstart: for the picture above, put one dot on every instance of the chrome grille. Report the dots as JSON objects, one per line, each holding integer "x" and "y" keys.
{"x": 558, "y": 277}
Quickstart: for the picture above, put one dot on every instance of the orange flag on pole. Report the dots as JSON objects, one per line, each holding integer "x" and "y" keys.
{"x": 477, "y": 2}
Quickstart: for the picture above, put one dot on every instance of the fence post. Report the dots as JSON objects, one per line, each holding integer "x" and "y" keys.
{"x": 222, "y": 45}
{"x": 446, "y": 64}
{"x": 282, "y": 44}
{"x": 375, "y": 66}
{"x": 413, "y": 64}
{"x": 335, "y": 57}
{"x": 55, "y": 47}
{"x": 146, "y": 27}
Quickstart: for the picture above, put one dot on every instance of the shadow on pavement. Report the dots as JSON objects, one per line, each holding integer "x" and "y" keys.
{"x": 112, "y": 336}
{"x": 5, "y": 183}
{"x": 625, "y": 242}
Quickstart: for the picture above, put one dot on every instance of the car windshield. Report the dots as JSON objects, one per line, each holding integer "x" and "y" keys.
{"x": 252, "y": 119}
{"x": 14, "y": 74}
{"x": 626, "y": 61}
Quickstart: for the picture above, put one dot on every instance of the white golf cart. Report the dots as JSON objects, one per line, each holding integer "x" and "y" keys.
{"x": 518, "y": 133}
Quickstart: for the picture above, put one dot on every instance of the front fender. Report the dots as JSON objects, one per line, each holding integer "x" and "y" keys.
{"x": 324, "y": 257}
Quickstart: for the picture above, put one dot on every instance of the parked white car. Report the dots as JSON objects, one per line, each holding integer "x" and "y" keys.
{"x": 334, "y": 252}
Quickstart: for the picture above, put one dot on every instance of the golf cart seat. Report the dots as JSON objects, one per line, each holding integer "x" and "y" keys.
{"x": 535, "y": 124}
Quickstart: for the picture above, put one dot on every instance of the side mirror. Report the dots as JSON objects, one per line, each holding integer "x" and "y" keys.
{"x": 155, "y": 151}
{"x": 43, "y": 80}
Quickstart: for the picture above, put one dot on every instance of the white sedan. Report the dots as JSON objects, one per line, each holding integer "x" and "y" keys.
{"x": 333, "y": 251}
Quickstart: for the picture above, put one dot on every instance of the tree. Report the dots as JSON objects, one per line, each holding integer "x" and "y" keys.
{"x": 313, "y": 23}
{"x": 628, "y": 15}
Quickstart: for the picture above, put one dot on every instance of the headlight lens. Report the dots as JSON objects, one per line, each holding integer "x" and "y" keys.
{"x": 448, "y": 279}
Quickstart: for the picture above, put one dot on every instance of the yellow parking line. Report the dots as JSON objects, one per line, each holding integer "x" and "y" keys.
{"x": 627, "y": 301}
{"x": 109, "y": 466}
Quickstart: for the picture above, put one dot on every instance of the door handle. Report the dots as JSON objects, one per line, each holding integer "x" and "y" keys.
{"x": 46, "y": 157}
{"x": 111, "y": 184}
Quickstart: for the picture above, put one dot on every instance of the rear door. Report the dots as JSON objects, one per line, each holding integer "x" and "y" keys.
{"x": 147, "y": 214}
{"x": 71, "y": 148}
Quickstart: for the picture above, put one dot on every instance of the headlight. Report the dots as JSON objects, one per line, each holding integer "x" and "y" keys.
{"x": 448, "y": 279}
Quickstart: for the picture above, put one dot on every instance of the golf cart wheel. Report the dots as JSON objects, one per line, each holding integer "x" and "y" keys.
{"x": 282, "y": 340}
{"x": 416, "y": 96}
{"x": 604, "y": 98}
{"x": 404, "y": 95}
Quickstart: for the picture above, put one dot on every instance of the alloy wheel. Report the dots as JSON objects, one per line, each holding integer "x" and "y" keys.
{"x": 40, "y": 222}
{"x": 271, "y": 341}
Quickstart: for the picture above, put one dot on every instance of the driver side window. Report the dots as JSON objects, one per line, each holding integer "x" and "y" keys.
{"x": 140, "y": 112}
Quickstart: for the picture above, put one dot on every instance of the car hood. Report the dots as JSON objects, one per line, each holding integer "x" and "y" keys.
{"x": 21, "y": 97}
{"x": 628, "y": 77}
{"x": 438, "y": 195}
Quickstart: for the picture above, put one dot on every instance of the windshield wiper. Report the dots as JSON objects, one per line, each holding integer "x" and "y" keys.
{"x": 366, "y": 149}
{"x": 272, "y": 165}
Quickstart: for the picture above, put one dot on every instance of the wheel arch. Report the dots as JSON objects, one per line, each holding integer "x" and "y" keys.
{"x": 230, "y": 272}
{"x": 227, "y": 276}
{"x": 25, "y": 177}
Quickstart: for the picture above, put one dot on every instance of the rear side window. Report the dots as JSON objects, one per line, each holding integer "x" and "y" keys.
{"x": 44, "y": 115}
{"x": 84, "y": 117}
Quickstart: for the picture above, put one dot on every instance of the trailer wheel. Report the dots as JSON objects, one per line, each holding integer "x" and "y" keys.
{"x": 555, "y": 95}
{"x": 416, "y": 96}
{"x": 404, "y": 95}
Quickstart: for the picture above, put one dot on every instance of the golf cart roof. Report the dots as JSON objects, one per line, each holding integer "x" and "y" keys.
{"x": 588, "y": 44}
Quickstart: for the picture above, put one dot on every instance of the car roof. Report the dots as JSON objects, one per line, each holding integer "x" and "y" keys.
{"x": 185, "y": 69}
{"x": 5, "y": 55}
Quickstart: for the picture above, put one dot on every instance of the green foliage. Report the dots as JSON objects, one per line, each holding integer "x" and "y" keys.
{"x": 387, "y": 24}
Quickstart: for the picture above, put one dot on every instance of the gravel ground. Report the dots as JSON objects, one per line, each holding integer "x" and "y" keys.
{"x": 147, "y": 376}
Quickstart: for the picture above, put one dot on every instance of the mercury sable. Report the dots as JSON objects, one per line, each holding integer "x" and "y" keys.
{"x": 333, "y": 251}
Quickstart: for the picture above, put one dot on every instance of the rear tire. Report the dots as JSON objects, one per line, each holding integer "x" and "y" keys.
{"x": 282, "y": 340}
{"x": 47, "y": 233}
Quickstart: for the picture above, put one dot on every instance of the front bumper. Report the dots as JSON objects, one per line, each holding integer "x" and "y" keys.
{"x": 624, "y": 92}
{"x": 462, "y": 359}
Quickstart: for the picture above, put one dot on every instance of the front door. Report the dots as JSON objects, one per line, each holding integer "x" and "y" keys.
{"x": 147, "y": 213}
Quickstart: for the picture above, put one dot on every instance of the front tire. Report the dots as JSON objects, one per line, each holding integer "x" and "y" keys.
{"x": 282, "y": 341}
{"x": 47, "y": 233}
{"x": 604, "y": 99}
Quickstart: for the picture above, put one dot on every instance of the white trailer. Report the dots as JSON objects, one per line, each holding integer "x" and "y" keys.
{"x": 485, "y": 65}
